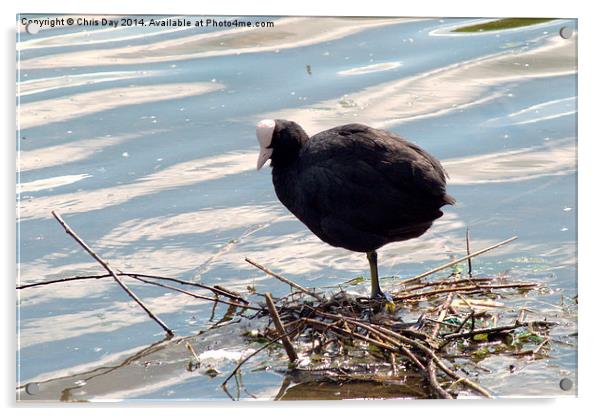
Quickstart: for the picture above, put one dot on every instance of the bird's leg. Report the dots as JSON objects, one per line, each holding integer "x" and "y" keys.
{"x": 372, "y": 259}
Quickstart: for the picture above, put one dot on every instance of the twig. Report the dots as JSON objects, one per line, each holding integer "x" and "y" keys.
{"x": 534, "y": 351}
{"x": 521, "y": 316}
{"x": 466, "y": 302}
{"x": 313, "y": 322}
{"x": 215, "y": 289}
{"x": 230, "y": 292}
{"x": 282, "y": 279}
{"x": 431, "y": 354}
{"x": 412, "y": 357}
{"x": 193, "y": 352}
{"x": 468, "y": 252}
{"x": 453, "y": 263}
{"x": 459, "y": 328}
{"x": 466, "y": 289}
{"x": 442, "y": 314}
{"x": 290, "y": 350}
{"x": 257, "y": 351}
{"x": 485, "y": 331}
{"x": 393, "y": 363}
{"x": 449, "y": 282}
{"x": 64, "y": 280}
{"x": 432, "y": 375}
{"x": 381, "y": 329}
{"x": 540, "y": 346}
{"x": 194, "y": 295}
{"x": 109, "y": 269}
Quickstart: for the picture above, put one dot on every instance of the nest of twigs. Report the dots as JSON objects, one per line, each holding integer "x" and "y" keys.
{"x": 344, "y": 337}
{"x": 322, "y": 334}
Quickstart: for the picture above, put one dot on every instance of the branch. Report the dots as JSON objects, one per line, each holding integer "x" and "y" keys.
{"x": 112, "y": 272}
{"x": 460, "y": 260}
{"x": 282, "y": 279}
{"x": 214, "y": 289}
{"x": 290, "y": 350}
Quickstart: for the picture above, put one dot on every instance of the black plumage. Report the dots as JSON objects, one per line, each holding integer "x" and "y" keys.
{"x": 354, "y": 186}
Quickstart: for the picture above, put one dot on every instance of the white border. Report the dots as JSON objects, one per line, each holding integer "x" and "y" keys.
{"x": 589, "y": 206}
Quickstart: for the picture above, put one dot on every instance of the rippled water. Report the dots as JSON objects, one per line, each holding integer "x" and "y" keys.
{"x": 143, "y": 139}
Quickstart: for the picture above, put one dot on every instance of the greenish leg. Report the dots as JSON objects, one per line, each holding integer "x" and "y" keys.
{"x": 373, "y": 260}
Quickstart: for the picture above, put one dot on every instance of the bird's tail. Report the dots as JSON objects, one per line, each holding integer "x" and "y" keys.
{"x": 449, "y": 200}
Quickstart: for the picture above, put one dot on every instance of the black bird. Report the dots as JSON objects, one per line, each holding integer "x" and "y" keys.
{"x": 354, "y": 186}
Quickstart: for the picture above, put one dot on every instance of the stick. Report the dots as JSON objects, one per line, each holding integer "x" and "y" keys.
{"x": 465, "y": 289}
{"x": 290, "y": 350}
{"x": 109, "y": 269}
{"x": 383, "y": 330}
{"x": 442, "y": 314}
{"x": 194, "y": 295}
{"x": 230, "y": 292}
{"x": 468, "y": 252}
{"x": 64, "y": 280}
{"x": 282, "y": 279}
{"x": 328, "y": 327}
{"x": 244, "y": 360}
{"x": 193, "y": 352}
{"x": 432, "y": 375}
{"x": 474, "y": 386}
{"x": 450, "y": 282}
{"x": 485, "y": 331}
{"x": 460, "y": 260}
{"x": 387, "y": 337}
{"x": 215, "y": 289}
{"x": 459, "y": 328}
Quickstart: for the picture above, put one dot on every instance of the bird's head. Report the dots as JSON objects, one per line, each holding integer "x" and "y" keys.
{"x": 265, "y": 132}
{"x": 280, "y": 141}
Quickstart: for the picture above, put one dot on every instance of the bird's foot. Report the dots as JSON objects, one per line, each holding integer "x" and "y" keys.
{"x": 381, "y": 296}
{"x": 384, "y": 301}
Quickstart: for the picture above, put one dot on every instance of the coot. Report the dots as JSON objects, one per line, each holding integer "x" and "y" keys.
{"x": 354, "y": 186}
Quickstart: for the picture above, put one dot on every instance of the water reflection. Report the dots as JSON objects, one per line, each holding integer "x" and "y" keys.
{"x": 78, "y": 105}
{"x": 144, "y": 142}
{"x": 292, "y": 32}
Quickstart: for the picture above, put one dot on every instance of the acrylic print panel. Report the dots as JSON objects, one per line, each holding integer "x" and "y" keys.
{"x": 139, "y": 133}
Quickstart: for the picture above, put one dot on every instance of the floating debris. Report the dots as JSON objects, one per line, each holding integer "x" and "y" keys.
{"x": 347, "y": 102}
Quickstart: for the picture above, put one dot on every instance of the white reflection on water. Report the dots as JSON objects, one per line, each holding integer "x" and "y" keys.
{"x": 122, "y": 33}
{"x": 74, "y": 151}
{"x": 437, "y": 92}
{"x": 548, "y": 110}
{"x": 368, "y": 69}
{"x": 204, "y": 221}
{"x": 36, "y": 86}
{"x": 558, "y": 158}
{"x": 54, "y": 110}
{"x": 292, "y": 32}
{"x": 181, "y": 174}
{"x": 549, "y": 117}
{"x": 509, "y": 166}
{"x": 50, "y": 183}
{"x": 116, "y": 315}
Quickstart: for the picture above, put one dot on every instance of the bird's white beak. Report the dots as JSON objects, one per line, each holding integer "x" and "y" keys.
{"x": 265, "y": 131}
{"x": 264, "y": 155}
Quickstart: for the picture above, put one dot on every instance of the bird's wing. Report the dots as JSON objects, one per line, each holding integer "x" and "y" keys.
{"x": 407, "y": 167}
{"x": 365, "y": 192}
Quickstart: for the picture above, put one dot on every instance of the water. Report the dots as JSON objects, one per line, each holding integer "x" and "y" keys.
{"x": 143, "y": 139}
